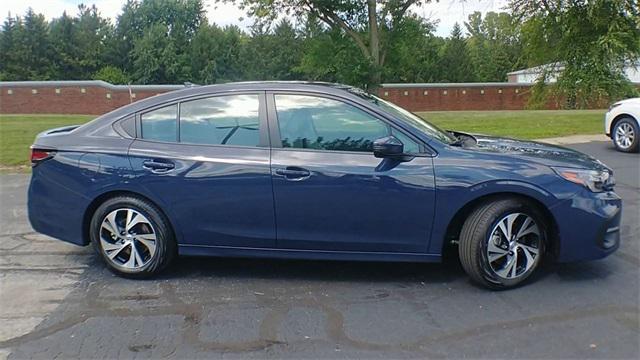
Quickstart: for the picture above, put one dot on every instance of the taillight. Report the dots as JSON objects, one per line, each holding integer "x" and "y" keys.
{"x": 40, "y": 155}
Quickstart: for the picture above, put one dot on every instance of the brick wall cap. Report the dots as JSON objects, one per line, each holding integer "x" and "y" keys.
{"x": 452, "y": 85}
{"x": 87, "y": 83}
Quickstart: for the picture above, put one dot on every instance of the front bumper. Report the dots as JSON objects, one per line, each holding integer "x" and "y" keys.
{"x": 608, "y": 118}
{"x": 588, "y": 226}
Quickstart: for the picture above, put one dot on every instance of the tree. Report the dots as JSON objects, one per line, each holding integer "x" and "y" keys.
{"x": 79, "y": 43}
{"x": 455, "y": 62}
{"x": 9, "y": 43}
{"x": 593, "y": 40}
{"x": 157, "y": 33}
{"x": 32, "y": 50}
{"x": 216, "y": 54}
{"x": 413, "y": 52}
{"x": 111, "y": 74}
{"x": 494, "y": 45}
{"x": 367, "y": 23}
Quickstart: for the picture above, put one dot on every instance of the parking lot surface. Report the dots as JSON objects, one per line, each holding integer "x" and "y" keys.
{"x": 58, "y": 300}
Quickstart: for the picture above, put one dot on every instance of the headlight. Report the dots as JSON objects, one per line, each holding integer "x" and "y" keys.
{"x": 594, "y": 180}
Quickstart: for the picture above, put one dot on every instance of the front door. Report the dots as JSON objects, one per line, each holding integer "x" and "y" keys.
{"x": 207, "y": 160}
{"x": 331, "y": 193}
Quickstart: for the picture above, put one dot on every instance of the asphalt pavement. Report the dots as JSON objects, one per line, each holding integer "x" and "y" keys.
{"x": 58, "y": 301}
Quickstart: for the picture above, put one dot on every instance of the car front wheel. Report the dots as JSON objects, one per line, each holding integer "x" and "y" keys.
{"x": 626, "y": 135}
{"x": 502, "y": 243}
{"x": 132, "y": 236}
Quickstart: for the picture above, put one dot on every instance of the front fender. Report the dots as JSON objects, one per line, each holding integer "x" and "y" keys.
{"x": 450, "y": 201}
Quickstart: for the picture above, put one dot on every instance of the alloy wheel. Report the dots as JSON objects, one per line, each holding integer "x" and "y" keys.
{"x": 625, "y": 135}
{"x": 128, "y": 239}
{"x": 514, "y": 246}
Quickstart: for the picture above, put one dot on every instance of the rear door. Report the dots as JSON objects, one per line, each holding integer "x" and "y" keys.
{"x": 207, "y": 161}
{"x": 332, "y": 193}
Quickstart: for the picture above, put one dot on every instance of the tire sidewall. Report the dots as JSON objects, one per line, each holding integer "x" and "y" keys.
{"x": 635, "y": 146}
{"x": 488, "y": 272}
{"x": 163, "y": 235}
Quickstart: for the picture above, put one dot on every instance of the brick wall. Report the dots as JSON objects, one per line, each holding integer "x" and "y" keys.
{"x": 467, "y": 96}
{"x": 71, "y": 97}
{"x": 99, "y": 97}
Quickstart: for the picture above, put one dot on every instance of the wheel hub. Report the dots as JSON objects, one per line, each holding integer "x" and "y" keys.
{"x": 625, "y": 135}
{"x": 522, "y": 237}
{"x": 127, "y": 238}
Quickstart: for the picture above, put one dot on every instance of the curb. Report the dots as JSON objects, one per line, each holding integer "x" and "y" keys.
{"x": 574, "y": 139}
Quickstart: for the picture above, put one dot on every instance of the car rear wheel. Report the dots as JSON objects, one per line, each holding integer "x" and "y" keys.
{"x": 502, "y": 243}
{"x": 626, "y": 135}
{"x": 132, "y": 236}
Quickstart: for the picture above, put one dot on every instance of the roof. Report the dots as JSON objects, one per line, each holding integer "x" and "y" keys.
{"x": 557, "y": 66}
{"x": 104, "y": 84}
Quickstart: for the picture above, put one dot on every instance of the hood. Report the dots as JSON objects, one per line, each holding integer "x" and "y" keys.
{"x": 546, "y": 154}
{"x": 627, "y": 101}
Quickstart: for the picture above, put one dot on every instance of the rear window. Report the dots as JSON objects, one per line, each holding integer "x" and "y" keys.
{"x": 232, "y": 120}
{"x": 221, "y": 120}
{"x": 160, "y": 124}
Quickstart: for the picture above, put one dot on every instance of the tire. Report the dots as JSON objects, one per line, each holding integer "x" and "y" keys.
{"x": 626, "y": 135}
{"x": 485, "y": 253}
{"x": 125, "y": 226}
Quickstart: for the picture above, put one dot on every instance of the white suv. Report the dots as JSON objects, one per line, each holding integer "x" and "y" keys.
{"x": 622, "y": 124}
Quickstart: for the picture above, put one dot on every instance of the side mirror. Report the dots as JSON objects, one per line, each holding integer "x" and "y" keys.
{"x": 388, "y": 146}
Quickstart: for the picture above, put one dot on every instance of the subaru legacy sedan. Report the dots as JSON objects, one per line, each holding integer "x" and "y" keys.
{"x": 314, "y": 171}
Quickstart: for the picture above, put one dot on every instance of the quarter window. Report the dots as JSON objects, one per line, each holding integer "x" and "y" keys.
{"x": 160, "y": 124}
{"x": 221, "y": 120}
{"x": 309, "y": 122}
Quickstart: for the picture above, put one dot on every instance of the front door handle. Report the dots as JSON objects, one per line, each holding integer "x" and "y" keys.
{"x": 158, "y": 166}
{"x": 293, "y": 173}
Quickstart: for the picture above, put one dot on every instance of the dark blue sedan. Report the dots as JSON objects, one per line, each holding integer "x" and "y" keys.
{"x": 314, "y": 171}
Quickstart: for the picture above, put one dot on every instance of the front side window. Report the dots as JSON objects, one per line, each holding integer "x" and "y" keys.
{"x": 406, "y": 116}
{"x": 309, "y": 122}
{"x": 221, "y": 120}
{"x": 160, "y": 124}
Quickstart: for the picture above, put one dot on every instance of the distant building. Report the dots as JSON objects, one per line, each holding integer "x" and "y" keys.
{"x": 531, "y": 75}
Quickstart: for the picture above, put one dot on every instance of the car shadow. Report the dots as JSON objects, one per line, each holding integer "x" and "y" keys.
{"x": 313, "y": 270}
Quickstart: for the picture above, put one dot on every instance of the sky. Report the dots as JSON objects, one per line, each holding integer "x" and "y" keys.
{"x": 447, "y": 11}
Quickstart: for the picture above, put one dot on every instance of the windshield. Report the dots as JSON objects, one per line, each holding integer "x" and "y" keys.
{"x": 407, "y": 116}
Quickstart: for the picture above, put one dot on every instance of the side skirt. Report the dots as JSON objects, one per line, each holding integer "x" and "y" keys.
{"x": 227, "y": 251}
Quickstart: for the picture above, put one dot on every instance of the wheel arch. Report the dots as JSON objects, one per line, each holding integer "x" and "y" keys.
{"x": 93, "y": 206}
{"x": 454, "y": 226}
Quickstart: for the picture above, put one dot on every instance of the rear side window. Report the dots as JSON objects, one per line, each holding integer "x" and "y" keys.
{"x": 161, "y": 124}
{"x": 221, "y": 120}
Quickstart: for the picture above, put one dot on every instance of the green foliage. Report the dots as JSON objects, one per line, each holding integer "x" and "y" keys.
{"x": 455, "y": 61}
{"x": 593, "y": 40}
{"x": 413, "y": 52}
{"x": 494, "y": 45}
{"x": 357, "y": 42}
{"x": 78, "y": 43}
{"x": 111, "y": 74}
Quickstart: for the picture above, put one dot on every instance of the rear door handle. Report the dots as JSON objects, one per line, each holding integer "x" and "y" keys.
{"x": 158, "y": 166}
{"x": 293, "y": 173}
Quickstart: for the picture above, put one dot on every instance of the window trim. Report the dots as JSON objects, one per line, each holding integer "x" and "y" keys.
{"x": 276, "y": 139}
{"x": 118, "y": 127}
{"x": 263, "y": 125}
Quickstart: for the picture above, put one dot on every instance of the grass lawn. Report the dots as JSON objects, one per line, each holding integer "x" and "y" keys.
{"x": 524, "y": 124}
{"x": 17, "y": 132}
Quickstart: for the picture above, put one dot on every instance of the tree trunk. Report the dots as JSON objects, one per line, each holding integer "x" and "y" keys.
{"x": 374, "y": 43}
